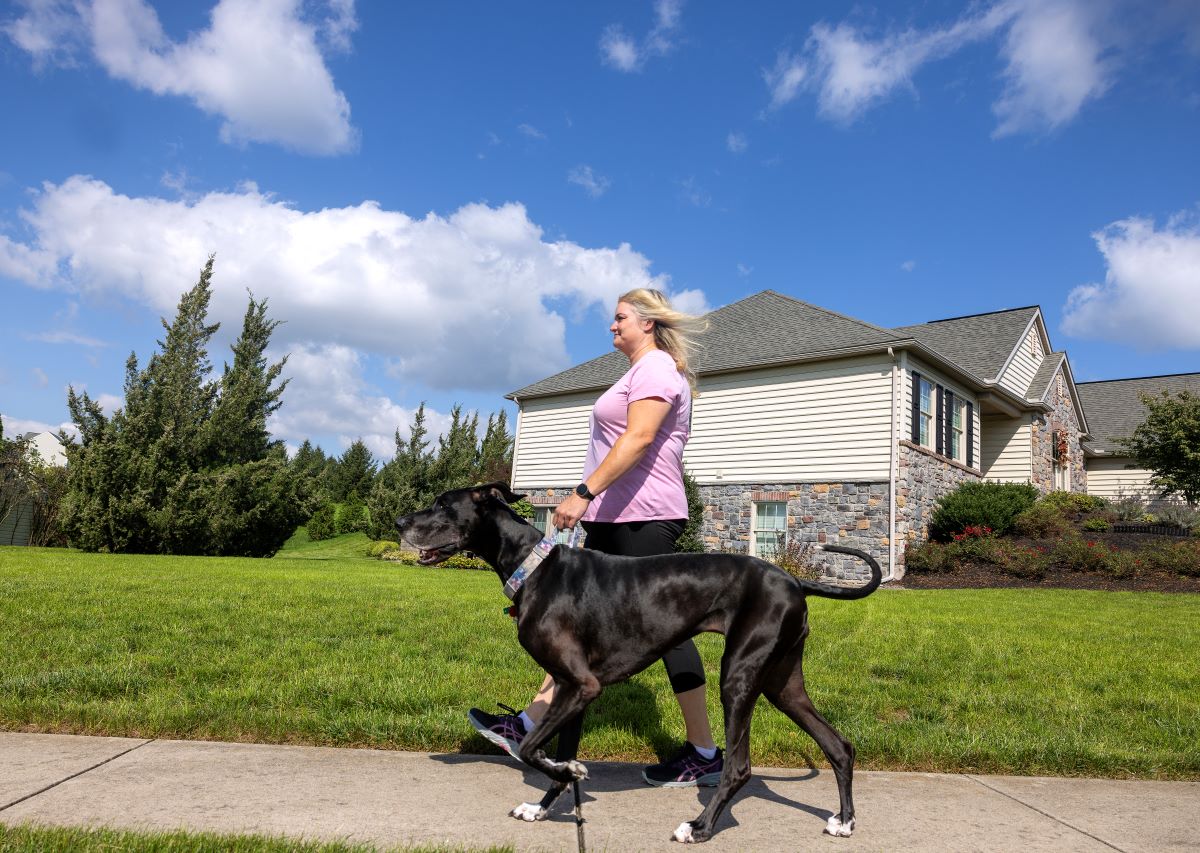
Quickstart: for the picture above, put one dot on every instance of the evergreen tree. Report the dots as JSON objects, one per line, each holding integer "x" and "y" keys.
{"x": 690, "y": 540}
{"x": 495, "y": 451}
{"x": 403, "y": 485}
{"x": 186, "y": 466}
{"x": 457, "y": 455}
{"x": 355, "y": 472}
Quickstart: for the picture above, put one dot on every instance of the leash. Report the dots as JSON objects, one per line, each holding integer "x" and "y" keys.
{"x": 579, "y": 839}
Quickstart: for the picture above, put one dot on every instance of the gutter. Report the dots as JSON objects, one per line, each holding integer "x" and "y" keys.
{"x": 898, "y": 372}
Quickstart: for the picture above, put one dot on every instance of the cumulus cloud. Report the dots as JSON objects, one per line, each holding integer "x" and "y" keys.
{"x": 625, "y": 53}
{"x": 1054, "y": 53}
{"x": 458, "y": 301}
{"x": 258, "y": 66}
{"x": 1150, "y": 296}
{"x": 595, "y": 184}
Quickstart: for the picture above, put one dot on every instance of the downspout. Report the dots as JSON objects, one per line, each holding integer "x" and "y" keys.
{"x": 893, "y": 463}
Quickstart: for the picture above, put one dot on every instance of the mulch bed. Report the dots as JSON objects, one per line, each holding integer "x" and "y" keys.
{"x": 986, "y": 576}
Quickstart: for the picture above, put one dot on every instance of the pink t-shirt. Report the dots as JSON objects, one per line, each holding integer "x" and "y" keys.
{"x": 653, "y": 489}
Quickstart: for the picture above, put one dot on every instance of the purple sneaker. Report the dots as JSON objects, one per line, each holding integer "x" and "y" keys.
{"x": 686, "y": 769}
{"x": 505, "y": 730}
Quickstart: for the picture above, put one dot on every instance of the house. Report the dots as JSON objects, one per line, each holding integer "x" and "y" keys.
{"x": 1115, "y": 410}
{"x": 826, "y": 428}
{"x": 16, "y": 525}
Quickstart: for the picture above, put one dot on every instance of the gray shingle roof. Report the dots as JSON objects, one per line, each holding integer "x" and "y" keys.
{"x": 1114, "y": 409}
{"x": 980, "y": 344}
{"x": 1039, "y": 386}
{"x": 766, "y": 328}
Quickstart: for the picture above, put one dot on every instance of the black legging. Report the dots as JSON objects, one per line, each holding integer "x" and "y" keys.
{"x": 648, "y": 539}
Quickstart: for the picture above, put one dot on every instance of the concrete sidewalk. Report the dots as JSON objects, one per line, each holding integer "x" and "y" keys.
{"x": 402, "y": 798}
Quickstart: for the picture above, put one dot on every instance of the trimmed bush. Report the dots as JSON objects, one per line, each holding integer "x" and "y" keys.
{"x": 1020, "y": 561}
{"x": 1074, "y": 502}
{"x": 1096, "y": 525}
{"x": 981, "y": 504}
{"x": 322, "y": 524}
{"x": 382, "y": 547}
{"x": 933, "y": 557}
{"x": 464, "y": 560}
{"x": 1041, "y": 521}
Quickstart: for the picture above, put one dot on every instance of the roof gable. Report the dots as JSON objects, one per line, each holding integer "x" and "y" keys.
{"x": 982, "y": 344}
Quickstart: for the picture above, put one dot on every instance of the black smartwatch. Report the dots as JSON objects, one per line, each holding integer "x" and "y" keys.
{"x": 582, "y": 491}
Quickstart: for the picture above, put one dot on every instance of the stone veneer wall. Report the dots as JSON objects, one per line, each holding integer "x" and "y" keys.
{"x": 924, "y": 477}
{"x": 851, "y": 514}
{"x": 1063, "y": 419}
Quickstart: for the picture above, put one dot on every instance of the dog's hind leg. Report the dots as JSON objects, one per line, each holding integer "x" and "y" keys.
{"x": 785, "y": 690}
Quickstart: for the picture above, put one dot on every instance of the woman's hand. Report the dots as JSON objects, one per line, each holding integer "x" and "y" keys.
{"x": 568, "y": 513}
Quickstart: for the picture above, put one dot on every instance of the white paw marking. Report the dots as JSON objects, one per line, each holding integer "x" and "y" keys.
{"x": 683, "y": 834}
{"x": 837, "y": 829}
{"x": 529, "y": 812}
{"x": 575, "y": 768}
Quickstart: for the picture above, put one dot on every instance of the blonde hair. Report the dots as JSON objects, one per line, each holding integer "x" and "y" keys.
{"x": 674, "y": 332}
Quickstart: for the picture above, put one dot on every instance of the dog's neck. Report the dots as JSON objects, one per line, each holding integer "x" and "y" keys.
{"x": 512, "y": 543}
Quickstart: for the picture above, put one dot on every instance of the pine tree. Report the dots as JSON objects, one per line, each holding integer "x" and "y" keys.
{"x": 495, "y": 452}
{"x": 403, "y": 485}
{"x": 355, "y": 472}
{"x": 457, "y": 455}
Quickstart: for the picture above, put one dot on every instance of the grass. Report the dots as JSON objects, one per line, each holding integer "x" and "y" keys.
{"x": 28, "y": 838}
{"x": 357, "y": 652}
{"x": 346, "y": 546}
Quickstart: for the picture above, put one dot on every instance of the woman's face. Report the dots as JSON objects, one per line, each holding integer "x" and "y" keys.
{"x": 630, "y": 333}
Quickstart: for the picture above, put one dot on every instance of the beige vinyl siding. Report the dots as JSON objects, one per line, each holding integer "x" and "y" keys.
{"x": 1107, "y": 477}
{"x": 552, "y": 440}
{"x": 1006, "y": 449}
{"x": 824, "y": 421}
{"x": 915, "y": 366}
{"x": 1025, "y": 364}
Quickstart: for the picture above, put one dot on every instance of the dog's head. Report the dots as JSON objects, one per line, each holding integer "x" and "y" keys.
{"x": 459, "y": 520}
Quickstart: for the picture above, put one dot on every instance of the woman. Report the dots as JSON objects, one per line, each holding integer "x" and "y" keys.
{"x": 632, "y": 503}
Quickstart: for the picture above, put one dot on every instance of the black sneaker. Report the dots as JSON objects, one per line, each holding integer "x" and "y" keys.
{"x": 687, "y": 769}
{"x": 505, "y": 730}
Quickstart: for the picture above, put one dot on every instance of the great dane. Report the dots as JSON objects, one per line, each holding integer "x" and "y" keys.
{"x": 590, "y": 619}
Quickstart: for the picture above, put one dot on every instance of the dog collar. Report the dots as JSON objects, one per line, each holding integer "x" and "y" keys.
{"x": 539, "y": 553}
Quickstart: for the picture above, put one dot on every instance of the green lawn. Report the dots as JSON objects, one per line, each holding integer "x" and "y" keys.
{"x": 43, "y": 839}
{"x": 350, "y": 651}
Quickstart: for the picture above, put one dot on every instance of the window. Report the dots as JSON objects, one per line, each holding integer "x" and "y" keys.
{"x": 958, "y": 421}
{"x": 926, "y": 414}
{"x": 541, "y": 520}
{"x": 770, "y": 524}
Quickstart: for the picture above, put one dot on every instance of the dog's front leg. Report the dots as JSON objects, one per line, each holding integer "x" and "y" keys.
{"x": 565, "y": 717}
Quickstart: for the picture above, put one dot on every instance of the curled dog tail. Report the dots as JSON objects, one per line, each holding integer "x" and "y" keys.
{"x": 846, "y": 593}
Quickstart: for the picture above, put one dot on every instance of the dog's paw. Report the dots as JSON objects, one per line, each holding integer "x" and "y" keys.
{"x": 837, "y": 829}
{"x": 683, "y": 834}
{"x": 528, "y": 812}
{"x": 577, "y": 769}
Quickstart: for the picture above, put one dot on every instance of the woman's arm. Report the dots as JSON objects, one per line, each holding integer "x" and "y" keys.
{"x": 645, "y": 419}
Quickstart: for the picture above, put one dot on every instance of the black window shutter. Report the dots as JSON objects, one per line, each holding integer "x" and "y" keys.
{"x": 970, "y": 436}
{"x": 949, "y": 425}
{"x": 916, "y": 408}
{"x": 939, "y": 422}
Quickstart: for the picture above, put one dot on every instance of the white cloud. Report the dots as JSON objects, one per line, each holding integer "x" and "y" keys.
{"x": 1151, "y": 292}
{"x": 530, "y": 131}
{"x": 1055, "y": 65}
{"x": 258, "y": 65}
{"x": 736, "y": 142}
{"x": 456, "y": 301}
{"x": 1054, "y": 53}
{"x": 744, "y": 271}
{"x": 625, "y": 53}
{"x": 20, "y": 426}
{"x": 65, "y": 337}
{"x": 693, "y": 193}
{"x": 40, "y": 379}
{"x": 595, "y": 184}
{"x": 908, "y": 266}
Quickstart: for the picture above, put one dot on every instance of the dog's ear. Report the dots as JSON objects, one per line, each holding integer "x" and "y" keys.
{"x": 498, "y": 490}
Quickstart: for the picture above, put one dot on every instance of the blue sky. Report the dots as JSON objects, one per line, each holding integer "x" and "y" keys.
{"x": 442, "y": 200}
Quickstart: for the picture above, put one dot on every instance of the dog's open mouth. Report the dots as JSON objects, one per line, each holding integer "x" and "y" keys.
{"x": 430, "y": 556}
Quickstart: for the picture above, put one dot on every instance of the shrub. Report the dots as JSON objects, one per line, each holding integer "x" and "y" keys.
{"x": 1122, "y": 564}
{"x": 1074, "y": 502}
{"x": 1128, "y": 508}
{"x": 931, "y": 557}
{"x": 1096, "y": 525}
{"x": 321, "y": 525}
{"x": 1182, "y": 557}
{"x": 382, "y": 547}
{"x": 1080, "y": 555}
{"x": 352, "y": 516}
{"x": 523, "y": 508}
{"x": 1041, "y": 521}
{"x": 1180, "y": 515}
{"x": 982, "y": 504}
{"x": 465, "y": 560}
{"x": 974, "y": 543}
{"x": 796, "y": 558}
{"x": 1021, "y": 561}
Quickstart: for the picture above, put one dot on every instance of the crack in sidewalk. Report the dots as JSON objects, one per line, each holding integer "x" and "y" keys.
{"x": 1054, "y": 818}
{"x": 20, "y": 800}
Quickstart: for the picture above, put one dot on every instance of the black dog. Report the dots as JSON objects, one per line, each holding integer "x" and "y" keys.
{"x": 590, "y": 619}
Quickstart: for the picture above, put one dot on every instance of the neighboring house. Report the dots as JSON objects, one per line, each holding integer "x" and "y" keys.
{"x": 15, "y": 526}
{"x": 1114, "y": 410}
{"x": 830, "y": 429}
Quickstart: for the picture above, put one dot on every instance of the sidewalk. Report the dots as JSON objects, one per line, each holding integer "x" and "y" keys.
{"x": 405, "y": 798}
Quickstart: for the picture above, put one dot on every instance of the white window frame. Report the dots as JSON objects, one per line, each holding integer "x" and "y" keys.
{"x": 928, "y": 418}
{"x": 777, "y": 526}
{"x": 958, "y": 432}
